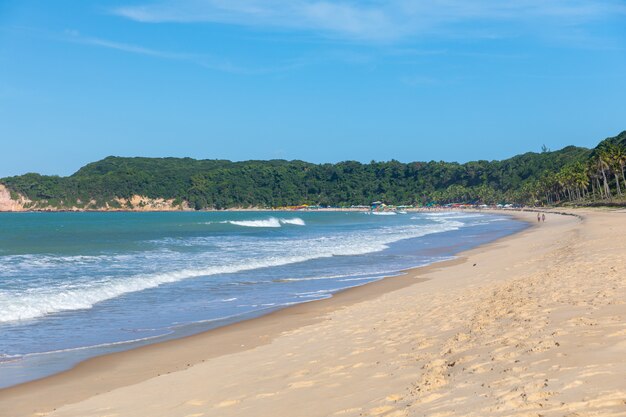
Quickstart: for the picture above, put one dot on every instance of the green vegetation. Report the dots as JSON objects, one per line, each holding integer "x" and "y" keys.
{"x": 598, "y": 178}
{"x": 570, "y": 174}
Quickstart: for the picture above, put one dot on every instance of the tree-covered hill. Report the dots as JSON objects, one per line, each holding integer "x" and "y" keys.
{"x": 529, "y": 178}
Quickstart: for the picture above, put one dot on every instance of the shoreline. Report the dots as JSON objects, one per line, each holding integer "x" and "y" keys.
{"x": 531, "y": 324}
{"x": 75, "y": 384}
{"x": 283, "y": 210}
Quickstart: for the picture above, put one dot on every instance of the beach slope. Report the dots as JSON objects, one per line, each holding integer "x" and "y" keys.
{"x": 532, "y": 325}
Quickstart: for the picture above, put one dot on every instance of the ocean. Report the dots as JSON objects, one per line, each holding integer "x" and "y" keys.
{"x": 78, "y": 285}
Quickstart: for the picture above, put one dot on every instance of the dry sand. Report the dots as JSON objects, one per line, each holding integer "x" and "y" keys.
{"x": 532, "y": 325}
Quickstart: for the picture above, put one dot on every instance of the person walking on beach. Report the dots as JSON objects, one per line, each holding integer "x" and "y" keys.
{"x": 538, "y": 217}
{"x": 543, "y": 217}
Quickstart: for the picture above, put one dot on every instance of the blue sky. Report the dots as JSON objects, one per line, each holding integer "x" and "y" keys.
{"x": 321, "y": 81}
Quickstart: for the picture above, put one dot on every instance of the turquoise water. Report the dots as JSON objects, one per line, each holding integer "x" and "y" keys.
{"x": 76, "y": 285}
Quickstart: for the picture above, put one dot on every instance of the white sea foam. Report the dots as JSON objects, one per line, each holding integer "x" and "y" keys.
{"x": 100, "y": 345}
{"x": 22, "y": 264}
{"x": 452, "y": 214}
{"x": 296, "y": 221}
{"x": 34, "y": 302}
{"x": 9, "y": 358}
{"x": 384, "y": 213}
{"x": 19, "y": 305}
{"x": 318, "y": 293}
{"x": 360, "y": 279}
{"x": 271, "y": 222}
{"x": 371, "y": 275}
{"x": 452, "y": 223}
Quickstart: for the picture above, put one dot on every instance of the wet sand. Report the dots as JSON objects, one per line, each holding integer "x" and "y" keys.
{"x": 533, "y": 324}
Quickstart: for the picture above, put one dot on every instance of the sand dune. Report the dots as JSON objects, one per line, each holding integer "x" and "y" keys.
{"x": 533, "y": 325}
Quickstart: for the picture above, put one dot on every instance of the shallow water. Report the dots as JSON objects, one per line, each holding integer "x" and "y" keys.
{"x": 77, "y": 285}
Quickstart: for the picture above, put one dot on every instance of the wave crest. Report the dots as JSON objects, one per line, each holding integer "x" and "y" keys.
{"x": 271, "y": 222}
{"x": 27, "y": 304}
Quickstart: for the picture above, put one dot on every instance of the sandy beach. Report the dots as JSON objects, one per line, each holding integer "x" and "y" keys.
{"x": 531, "y": 325}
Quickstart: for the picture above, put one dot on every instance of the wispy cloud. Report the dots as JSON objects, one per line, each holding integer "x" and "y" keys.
{"x": 331, "y": 17}
{"x": 374, "y": 20}
{"x": 203, "y": 60}
{"x": 75, "y": 37}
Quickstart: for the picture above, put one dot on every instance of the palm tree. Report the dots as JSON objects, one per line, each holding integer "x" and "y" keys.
{"x": 592, "y": 175}
{"x": 580, "y": 180}
{"x": 602, "y": 161}
{"x": 614, "y": 155}
{"x": 619, "y": 159}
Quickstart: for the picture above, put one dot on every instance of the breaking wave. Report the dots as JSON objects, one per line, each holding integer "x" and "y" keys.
{"x": 24, "y": 304}
{"x": 271, "y": 222}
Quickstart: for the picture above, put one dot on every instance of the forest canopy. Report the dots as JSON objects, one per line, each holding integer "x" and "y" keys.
{"x": 531, "y": 178}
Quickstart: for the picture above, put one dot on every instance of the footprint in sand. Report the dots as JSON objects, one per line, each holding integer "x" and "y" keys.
{"x": 589, "y": 374}
{"x": 299, "y": 373}
{"x": 195, "y": 402}
{"x": 228, "y": 403}
{"x": 381, "y": 410}
{"x": 266, "y": 395}
{"x": 346, "y": 411}
{"x": 617, "y": 334}
{"x": 332, "y": 369}
{"x": 359, "y": 351}
{"x": 302, "y": 384}
{"x": 397, "y": 413}
{"x": 430, "y": 398}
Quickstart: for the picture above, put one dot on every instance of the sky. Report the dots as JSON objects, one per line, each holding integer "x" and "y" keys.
{"x": 316, "y": 80}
